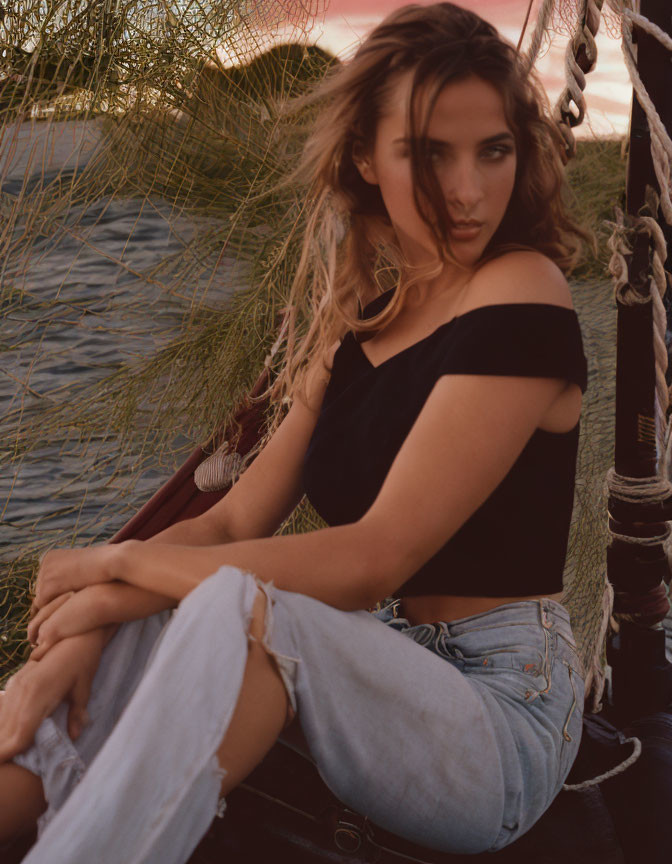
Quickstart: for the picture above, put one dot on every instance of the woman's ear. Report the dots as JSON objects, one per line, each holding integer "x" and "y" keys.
{"x": 364, "y": 163}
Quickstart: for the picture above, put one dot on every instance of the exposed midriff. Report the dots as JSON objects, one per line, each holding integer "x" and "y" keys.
{"x": 427, "y": 609}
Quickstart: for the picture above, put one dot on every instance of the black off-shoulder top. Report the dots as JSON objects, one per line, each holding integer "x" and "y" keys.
{"x": 515, "y": 543}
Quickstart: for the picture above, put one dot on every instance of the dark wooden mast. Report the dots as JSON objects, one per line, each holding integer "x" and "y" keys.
{"x": 642, "y": 680}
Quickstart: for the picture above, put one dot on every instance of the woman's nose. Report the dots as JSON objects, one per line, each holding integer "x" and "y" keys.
{"x": 464, "y": 186}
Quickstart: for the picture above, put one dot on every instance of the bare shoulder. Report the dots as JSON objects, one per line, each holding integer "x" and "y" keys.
{"x": 519, "y": 277}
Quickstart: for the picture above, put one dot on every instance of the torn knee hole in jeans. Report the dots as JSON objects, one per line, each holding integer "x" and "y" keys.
{"x": 285, "y": 665}
{"x": 220, "y": 774}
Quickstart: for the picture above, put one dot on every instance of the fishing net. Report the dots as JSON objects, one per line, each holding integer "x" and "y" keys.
{"x": 145, "y": 258}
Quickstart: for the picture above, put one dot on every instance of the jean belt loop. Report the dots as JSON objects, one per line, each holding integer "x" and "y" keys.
{"x": 546, "y": 621}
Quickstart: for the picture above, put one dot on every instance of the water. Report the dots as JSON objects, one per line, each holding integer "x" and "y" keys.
{"x": 106, "y": 315}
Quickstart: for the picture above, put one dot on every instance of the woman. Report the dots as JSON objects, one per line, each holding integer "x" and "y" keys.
{"x": 426, "y": 447}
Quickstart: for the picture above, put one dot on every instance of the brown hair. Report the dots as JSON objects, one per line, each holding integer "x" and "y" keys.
{"x": 349, "y": 251}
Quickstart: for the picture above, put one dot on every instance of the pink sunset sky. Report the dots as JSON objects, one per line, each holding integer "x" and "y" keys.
{"x": 608, "y": 91}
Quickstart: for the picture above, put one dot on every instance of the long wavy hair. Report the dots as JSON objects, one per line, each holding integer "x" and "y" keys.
{"x": 349, "y": 251}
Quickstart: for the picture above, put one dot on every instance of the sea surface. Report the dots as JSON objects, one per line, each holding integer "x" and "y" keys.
{"x": 106, "y": 314}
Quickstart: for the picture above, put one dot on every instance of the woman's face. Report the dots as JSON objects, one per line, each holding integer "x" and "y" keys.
{"x": 473, "y": 153}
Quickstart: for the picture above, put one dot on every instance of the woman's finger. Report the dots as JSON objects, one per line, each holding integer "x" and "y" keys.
{"x": 37, "y": 688}
{"x": 79, "y": 614}
{"x": 78, "y": 716}
{"x": 44, "y": 613}
{"x": 39, "y": 651}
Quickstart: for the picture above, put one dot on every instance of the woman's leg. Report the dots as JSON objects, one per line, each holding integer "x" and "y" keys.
{"x": 21, "y": 801}
{"x": 157, "y": 778}
{"x": 386, "y": 721}
{"x": 57, "y": 760}
{"x": 262, "y": 709}
{"x": 461, "y": 761}
{"x": 397, "y": 732}
{"x": 261, "y": 713}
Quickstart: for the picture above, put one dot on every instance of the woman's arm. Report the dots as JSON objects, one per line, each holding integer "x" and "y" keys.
{"x": 340, "y": 566}
{"x": 114, "y": 603}
{"x": 123, "y": 602}
{"x": 337, "y": 565}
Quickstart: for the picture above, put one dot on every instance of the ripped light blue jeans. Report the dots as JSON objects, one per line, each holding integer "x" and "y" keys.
{"x": 456, "y": 735}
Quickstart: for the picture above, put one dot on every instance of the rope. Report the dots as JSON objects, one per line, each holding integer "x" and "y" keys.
{"x": 584, "y": 37}
{"x": 642, "y": 541}
{"x": 661, "y": 144}
{"x": 620, "y": 246}
{"x": 596, "y": 672}
{"x": 619, "y": 243}
{"x": 618, "y": 769}
{"x": 527, "y": 18}
{"x": 219, "y": 470}
{"x": 543, "y": 17}
{"x": 661, "y": 154}
{"x": 638, "y": 490}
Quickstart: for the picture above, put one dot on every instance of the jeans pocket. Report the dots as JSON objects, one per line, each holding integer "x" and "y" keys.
{"x": 521, "y": 670}
{"x": 526, "y": 658}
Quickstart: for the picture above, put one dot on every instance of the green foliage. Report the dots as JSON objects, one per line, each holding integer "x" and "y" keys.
{"x": 596, "y": 178}
{"x": 174, "y": 125}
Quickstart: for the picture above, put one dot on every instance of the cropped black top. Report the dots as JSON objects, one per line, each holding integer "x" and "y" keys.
{"x": 515, "y": 543}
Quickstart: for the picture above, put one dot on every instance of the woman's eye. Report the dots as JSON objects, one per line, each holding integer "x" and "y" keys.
{"x": 492, "y": 154}
{"x": 497, "y": 152}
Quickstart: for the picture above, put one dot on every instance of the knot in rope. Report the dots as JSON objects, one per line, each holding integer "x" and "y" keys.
{"x": 638, "y": 490}
{"x": 623, "y": 230}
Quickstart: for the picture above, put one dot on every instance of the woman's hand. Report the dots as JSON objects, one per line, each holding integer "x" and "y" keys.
{"x": 96, "y": 606}
{"x": 66, "y": 672}
{"x": 70, "y": 614}
{"x": 64, "y": 570}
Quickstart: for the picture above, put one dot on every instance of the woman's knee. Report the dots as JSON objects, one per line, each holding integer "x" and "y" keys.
{"x": 233, "y": 597}
{"x": 224, "y": 589}
{"x": 259, "y": 635}
{"x": 257, "y": 626}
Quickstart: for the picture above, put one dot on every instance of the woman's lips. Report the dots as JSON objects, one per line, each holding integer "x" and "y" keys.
{"x": 466, "y": 232}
